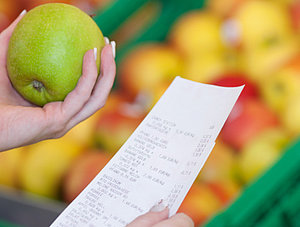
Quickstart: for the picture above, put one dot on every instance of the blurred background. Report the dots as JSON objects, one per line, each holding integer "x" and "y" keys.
{"x": 252, "y": 174}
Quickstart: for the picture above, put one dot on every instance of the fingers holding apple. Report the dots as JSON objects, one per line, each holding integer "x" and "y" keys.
{"x": 46, "y": 49}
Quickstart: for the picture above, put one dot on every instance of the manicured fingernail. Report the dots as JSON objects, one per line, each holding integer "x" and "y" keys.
{"x": 160, "y": 206}
{"x": 95, "y": 53}
{"x": 23, "y": 12}
{"x": 106, "y": 40}
{"x": 113, "y": 46}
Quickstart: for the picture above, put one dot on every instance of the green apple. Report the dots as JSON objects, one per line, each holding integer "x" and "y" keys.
{"x": 46, "y": 51}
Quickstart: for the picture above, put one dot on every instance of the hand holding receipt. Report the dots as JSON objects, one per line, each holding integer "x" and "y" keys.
{"x": 161, "y": 159}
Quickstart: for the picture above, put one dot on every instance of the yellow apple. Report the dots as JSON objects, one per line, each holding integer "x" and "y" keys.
{"x": 282, "y": 86}
{"x": 219, "y": 165}
{"x": 262, "y": 61}
{"x": 147, "y": 66}
{"x": 10, "y": 162}
{"x": 206, "y": 68}
{"x": 291, "y": 116}
{"x": 261, "y": 152}
{"x": 197, "y": 33}
{"x": 262, "y": 23}
{"x": 84, "y": 131}
{"x": 45, "y": 164}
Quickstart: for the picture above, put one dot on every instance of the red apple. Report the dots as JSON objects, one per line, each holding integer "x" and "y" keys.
{"x": 82, "y": 172}
{"x": 200, "y": 203}
{"x": 236, "y": 79}
{"x": 294, "y": 10}
{"x": 114, "y": 128}
{"x": 247, "y": 120}
{"x": 9, "y": 9}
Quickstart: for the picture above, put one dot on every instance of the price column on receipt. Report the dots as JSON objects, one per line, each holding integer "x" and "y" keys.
{"x": 160, "y": 160}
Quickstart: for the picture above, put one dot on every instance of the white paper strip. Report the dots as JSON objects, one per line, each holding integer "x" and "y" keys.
{"x": 160, "y": 160}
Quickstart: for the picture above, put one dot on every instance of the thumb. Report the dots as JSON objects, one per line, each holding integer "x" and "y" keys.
{"x": 149, "y": 219}
{"x": 6, "y": 34}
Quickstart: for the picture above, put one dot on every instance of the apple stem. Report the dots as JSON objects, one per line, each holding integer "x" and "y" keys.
{"x": 37, "y": 85}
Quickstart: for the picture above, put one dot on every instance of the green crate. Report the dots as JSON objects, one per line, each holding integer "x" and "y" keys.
{"x": 7, "y": 224}
{"x": 273, "y": 200}
{"x": 115, "y": 14}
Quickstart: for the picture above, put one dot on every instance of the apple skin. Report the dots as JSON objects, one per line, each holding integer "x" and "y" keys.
{"x": 282, "y": 86}
{"x": 224, "y": 8}
{"x": 205, "y": 68}
{"x": 219, "y": 165}
{"x": 245, "y": 121}
{"x": 46, "y": 51}
{"x": 42, "y": 169}
{"x": 259, "y": 21}
{"x": 294, "y": 11}
{"x": 8, "y": 12}
{"x": 146, "y": 67}
{"x": 114, "y": 128}
{"x": 200, "y": 203}
{"x": 197, "y": 33}
{"x": 10, "y": 162}
{"x": 261, "y": 152}
{"x": 251, "y": 90}
{"x": 262, "y": 63}
{"x": 225, "y": 190}
{"x": 82, "y": 172}
{"x": 266, "y": 38}
{"x": 291, "y": 116}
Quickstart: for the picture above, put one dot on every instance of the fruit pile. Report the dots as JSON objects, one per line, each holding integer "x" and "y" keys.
{"x": 227, "y": 43}
{"x": 10, "y": 9}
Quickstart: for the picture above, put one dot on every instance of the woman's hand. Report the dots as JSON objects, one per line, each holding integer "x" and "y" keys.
{"x": 22, "y": 123}
{"x": 160, "y": 219}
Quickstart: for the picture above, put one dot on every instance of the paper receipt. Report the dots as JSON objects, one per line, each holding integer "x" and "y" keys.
{"x": 160, "y": 160}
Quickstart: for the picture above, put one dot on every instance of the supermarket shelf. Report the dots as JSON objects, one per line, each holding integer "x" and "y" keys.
{"x": 19, "y": 209}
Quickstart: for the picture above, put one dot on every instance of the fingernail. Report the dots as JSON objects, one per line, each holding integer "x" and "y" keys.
{"x": 113, "y": 46}
{"x": 106, "y": 40}
{"x": 95, "y": 53}
{"x": 160, "y": 206}
{"x": 23, "y": 12}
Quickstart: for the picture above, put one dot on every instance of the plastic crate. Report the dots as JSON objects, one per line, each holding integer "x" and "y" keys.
{"x": 273, "y": 200}
{"x": 110, "y": 19}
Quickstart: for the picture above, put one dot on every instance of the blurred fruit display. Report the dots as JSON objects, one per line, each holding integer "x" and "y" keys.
{"x": 227, "y": 43}
{"x": 42, "y": 169}
{"x": 85, "y": 168}
{"x": 9, "y": 9}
